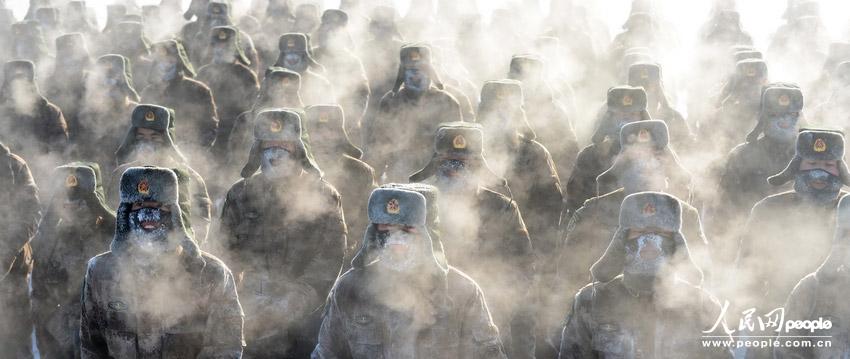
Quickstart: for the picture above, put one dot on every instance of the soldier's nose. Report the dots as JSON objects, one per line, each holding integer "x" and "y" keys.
{"x": 649, "y": 253}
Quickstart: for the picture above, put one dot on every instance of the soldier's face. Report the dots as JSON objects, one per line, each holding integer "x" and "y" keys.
{"x": 454, "y": 176}
{"x": 294, "y": 61}
{"x": 399, "y": 251}
{"x": 647, "y": 250}
{"x": 72, "y": 209}
{"x": 149, "y": 135}
{"x": 278, "y": 161}
{"x": 818, "y": 180}
{"x": 416, "y": 80}
{"x": 782, "y": 126}
{"x": 150, "y": 223}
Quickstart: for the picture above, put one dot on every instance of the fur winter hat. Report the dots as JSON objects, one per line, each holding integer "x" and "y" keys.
{"x": 818, "y": 145}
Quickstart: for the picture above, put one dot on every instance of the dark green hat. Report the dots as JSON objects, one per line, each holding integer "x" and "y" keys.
{"x": 19, "y": 68}
{"x": 113, "y": 63}
{"x": 154, "y": 117}
{"x": 747, "y": 54}
{"x": 71, "y": 44}
{"x": 333, "y": 117}
{"x": 173, "y": 48}
{"x": 751, "y": 69}
{"x": 462, "y": 140}
{"x": 229, "y": 35}
{"x": 776, "y": 98}
{"x": 417, "y": 56}
{"x": 818, "y": 145}
{"x": 298, "y": 43}
{"x": 278, "y": 125}
{"x": 523, "y": 64}
{"x": 620, "y": 99}
{"x": 644, "y": 74}
{"x": 505, "y": 93}
{"x": 335, "y": 18}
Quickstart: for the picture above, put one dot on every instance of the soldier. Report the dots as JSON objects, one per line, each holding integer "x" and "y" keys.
{"x": 648, "y": 76}
{"x": 804, "y": 34}
{"x": 20, "y": 215}
{"x": 408, "y": 116}
{"x": 155, "y": 293}
{"x": 833, "y": 112}
{"x": 340, "y": 161}
{"x": 822, "y": 87}
{"x": 218, "y": 13}
{"x": 67, "y": 79}
{"x": 546, "y": 112}
{"x": 233, "y": 84}
{"x": 640, "y": 30}
{"x": 295, "y": 56}
{"x": 484, "y": 232}
{"x": 114, "y": 14}
{"x": 402, "y": 300}
{"x": 821, "y": 294}
{"x": 48, "y": 21}
{"x": 379, "y": 56}
{"x": 350, "y": 83}
{"x": 74, "y": 19}
{"x": 624, "y": 105}
{"x": 634, "y": 307}
{"x": 280, "y": 89}
{"x": 284, "y": 232}
{"x": 740, "y": 102}
{"x": 744, "y": 179}
{"x": 28, "y": 42}
{"x": 128, "y": 39}
{"x": 150, "y": 141}
{"x": 724, "y": 29}
{"x": 173, "y": 87}
{"x": 790, "y": 225}
{"x": 109, "y": 95}
{"x": 77, "y": 226}
{"x": 645, "y": 163}
{"x": 30, "y": 124}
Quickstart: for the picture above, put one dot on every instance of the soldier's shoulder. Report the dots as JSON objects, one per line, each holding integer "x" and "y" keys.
{"x": 195, "y": 86}
{"x": 600, "y": 290}
{"x": 237, "y": 187}
{"x": 776, "y": 201}
{"x": 492, "y": 199}
{"x": 356, "y": 164}
{"x": 102, "y": 265}
{"x": 214, "y": 266}
{"x": 461, "y": 284}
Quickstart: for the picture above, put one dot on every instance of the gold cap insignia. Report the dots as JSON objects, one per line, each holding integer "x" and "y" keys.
{"x": 143, "y": 187}
{"x": 750, "y": 71}
{"x": 628, "y": 100}
{"x": 820, "y": 145}
{"x": 71, "y": 181}
{"x": 459, "y": 142}
{"x": 275, "y": 126}
{"x": 150, "y": 116}
{"x": 216, "y": 10}
{"x": 644, "y": 135}
{"x": 222, "y": 35}
{"x": 393, "y": 206}
{"x": 290, "y": 43}
{"x": 649, "y": 210}
{"x": 501, "y": 93}
{"x": 323, "y": 117}
{"x": 784, "y": 100}
{"x": 644, "y": 73}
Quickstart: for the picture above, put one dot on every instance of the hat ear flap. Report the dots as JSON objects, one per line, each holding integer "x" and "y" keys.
{"x": 399, "y": 78}
{"x": 361, "y": 259}
{"x": 843, "y": 173}
{"x": 755, "y": 132}
{"x": 787, "y": 174}
{"x": 429, "y": 170}
{"x": 612, "y": 262}
{"x": 125, "y": 147}
{"x": 601, "y": 125}
{"x": 253, "y": 163}
{"x": 607, "y": 181}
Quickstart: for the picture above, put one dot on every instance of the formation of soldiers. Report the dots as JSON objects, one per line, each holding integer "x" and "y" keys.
{"x": 197, "y": 186}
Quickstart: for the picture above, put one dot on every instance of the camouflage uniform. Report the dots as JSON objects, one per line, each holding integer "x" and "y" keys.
{"x": 315, "y": 88}
{"x": 821, "y": 294}
{"x": 68, "y": 236}
{"x": 375, "y": 313}
{"x": 195, "y": 202}
{"x": 617, "y": 317}
{"x": 398, "y": 136}
{"x": 191, "y": 100}
{"x": 177, "y": 302}
{"x": 285, "y": 239}
{"x": 599, "y": 155}
{"x": 233, "y": 84}
{"x": 34, "y": 128}
{"x": 340, "y": 161}
{"x": 546, "y": 112}
{"x": 344, "y": 68}
{"x": 109, "y": 95}
{"x": 20, "y": 216}
{"x": 484, "y": 233}
{"x": 789, "y": 225}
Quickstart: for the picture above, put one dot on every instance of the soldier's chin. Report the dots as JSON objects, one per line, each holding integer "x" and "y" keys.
{"x": 150, "y": 226}
{"x": 818, "y": 185}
